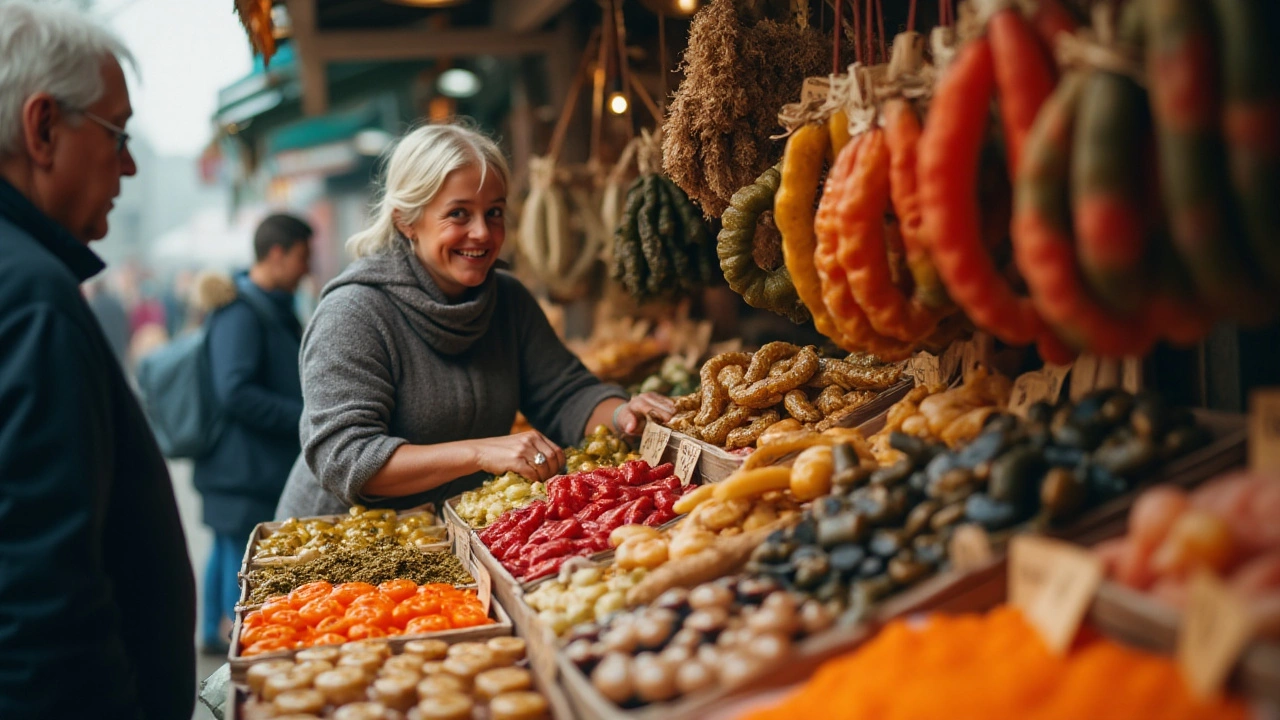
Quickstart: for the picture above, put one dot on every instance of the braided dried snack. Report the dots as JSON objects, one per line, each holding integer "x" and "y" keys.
{"x": 802, "y": 368}
{"x": 830, "y": 399}
{"x": 797, "y": 403}
{"x": 714, "y": 396}
{"x": 747, "y": 435}
{"x": 854, "y": 377}
{"x": 718, "y": 431}
{"x": 766, "y": 357}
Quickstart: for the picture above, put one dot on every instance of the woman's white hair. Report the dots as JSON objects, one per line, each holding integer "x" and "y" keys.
{"x": 415, "y": 171}
{"x": 53, "y": 49}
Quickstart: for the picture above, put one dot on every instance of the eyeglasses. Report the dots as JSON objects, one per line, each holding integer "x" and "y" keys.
{"x": 122, "y": 137}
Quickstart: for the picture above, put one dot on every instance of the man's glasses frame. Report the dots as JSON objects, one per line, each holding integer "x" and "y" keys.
{"x": 122, "y": 137}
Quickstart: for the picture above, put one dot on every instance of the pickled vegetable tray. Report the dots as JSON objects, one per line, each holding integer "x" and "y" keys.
{"x": 951, "y": 591}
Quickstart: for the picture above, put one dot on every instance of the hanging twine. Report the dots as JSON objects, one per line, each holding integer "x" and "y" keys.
{"x": 648, "y": 149}
{"x": 814, "y": 107}
{"x": 1099, "y": 48}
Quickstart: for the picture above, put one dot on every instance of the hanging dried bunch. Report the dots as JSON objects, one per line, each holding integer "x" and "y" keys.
{"x": 738, "y": 72}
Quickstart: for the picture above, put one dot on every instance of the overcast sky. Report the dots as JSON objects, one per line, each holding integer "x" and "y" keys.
{"x": 186, "y": 51}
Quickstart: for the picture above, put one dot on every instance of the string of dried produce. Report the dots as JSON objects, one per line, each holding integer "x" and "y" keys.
{"x": 1250, "y": 118}
{"x": 750, "y": 250}
{"x": 794, "y": 214}
{"x": 1183, "y": 79}
{"x": 661, "y": 248}
{"x": 738, "y": 69}
{"x": 949, "y": 152}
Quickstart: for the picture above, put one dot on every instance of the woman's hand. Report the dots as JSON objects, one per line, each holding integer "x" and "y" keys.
{"x": 519, "y": 454}
{"x": 630, "y": 416}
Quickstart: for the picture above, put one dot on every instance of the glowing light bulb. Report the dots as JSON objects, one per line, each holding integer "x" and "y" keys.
{"x": 617, "y": 103}
{"x": 686, "y": 6}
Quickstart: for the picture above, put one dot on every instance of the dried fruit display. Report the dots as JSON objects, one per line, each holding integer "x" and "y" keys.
{"x": 884, "y": 529}
{"x": 580, "y": 511}
{"x": 585, "y": 595}
{"x": 742, "y": 395}
{"x": 379, "y": 562}
{"x": 300, "y": 540}
{"x": 321, "y": 613}
{"x": 1227, "y": 526}
{"x": 718, "y": 633}
{"x": 427, "y": 680}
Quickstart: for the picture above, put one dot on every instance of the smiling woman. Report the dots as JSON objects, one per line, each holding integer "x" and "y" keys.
{"x": 420, "y": 353}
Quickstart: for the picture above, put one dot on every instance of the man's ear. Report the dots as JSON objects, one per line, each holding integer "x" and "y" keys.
{"x": 40, "y": 126}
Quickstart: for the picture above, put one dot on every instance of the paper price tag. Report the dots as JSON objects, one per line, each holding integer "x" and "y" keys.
{"x": 484, "y": 587}
{"x": 687, "y": 461}
{"x": 970, "y": 548}
{"x": 1264, "y": 430}
{"x": 1215, "y": 628}
{"x": 926, "y": 368}
{"x": 815, "y": 89}
{"x": 654, "y": 442}
{"x": 1028, "y": 389}
{"x": 974, "y": 355}
{"x": 1053, "y": 583}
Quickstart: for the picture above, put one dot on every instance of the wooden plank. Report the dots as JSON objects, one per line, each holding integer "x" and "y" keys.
{"x": 315, "y": 83}
{"x": 423, "y": 44}
{"x": 526, "y": 15}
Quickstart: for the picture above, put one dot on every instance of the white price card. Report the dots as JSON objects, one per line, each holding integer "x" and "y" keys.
{"x": 687, "y": 461}
{"x": 654, "y": 442}
{"x": 1053, "y": 583}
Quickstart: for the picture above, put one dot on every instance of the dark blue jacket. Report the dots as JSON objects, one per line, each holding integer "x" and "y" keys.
{"x": 255, "y": 376}
{"x": 97, "y": 600}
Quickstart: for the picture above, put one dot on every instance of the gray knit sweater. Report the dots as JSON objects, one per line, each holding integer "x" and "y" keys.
{"x": 388, "y": 359}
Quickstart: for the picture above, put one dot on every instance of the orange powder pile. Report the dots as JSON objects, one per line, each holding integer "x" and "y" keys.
{"x": 993, "y": 666}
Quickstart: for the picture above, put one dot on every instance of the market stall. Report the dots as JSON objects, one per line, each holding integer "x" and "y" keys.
{"x": 965, "y": 498}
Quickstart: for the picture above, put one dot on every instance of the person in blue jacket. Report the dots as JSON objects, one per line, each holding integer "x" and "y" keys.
{"x": 97, "y": 599}
{"x": 253, "y": 346}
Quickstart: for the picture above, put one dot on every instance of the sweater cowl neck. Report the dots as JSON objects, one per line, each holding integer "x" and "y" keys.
{"x": 449, "y": 326}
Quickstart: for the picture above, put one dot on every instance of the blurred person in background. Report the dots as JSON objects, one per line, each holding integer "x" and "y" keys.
{"x": 97, "y": 599}
{"x": 111, "y": 315}
{"x": 253, "y": 340}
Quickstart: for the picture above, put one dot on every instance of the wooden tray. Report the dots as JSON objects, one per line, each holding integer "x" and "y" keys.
{"x": 266, "y": 529}
{"x": 1136, "y": 619}
{"x": 716, "y": 463}
{"x": 239, "y": 693}
{"x": 502, "y": 624}
{"x": 950, "y": 591}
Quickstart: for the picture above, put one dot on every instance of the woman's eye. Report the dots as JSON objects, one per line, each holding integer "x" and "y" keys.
{"x": 459, "y": 213}
{"x": 497, "y": 213}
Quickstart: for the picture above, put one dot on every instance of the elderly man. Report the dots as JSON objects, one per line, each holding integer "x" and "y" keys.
{"x": 97, "y": 600}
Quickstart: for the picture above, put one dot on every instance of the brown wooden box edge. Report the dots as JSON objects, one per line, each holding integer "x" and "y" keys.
{"x": 951, "y": 591}
{"x": 503, "y": 625}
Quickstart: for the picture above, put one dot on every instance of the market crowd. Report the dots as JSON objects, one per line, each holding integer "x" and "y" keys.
{"x": 401, "y": 389}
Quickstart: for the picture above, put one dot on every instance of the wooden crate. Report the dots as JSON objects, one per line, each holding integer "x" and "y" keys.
{"x": 716, "y": 463}
{"x": 502, "y": 624}
{"x": 263, "y": 530}
{"x": 239, "y": 693}
{"x": 950, "y": 591}
{"x": 1136, "y": 619}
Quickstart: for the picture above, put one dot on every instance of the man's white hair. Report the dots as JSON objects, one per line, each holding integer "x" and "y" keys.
{"x": 54, "y": 49}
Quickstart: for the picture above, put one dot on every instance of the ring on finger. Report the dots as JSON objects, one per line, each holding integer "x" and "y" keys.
{"x": 539, "y": 459}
